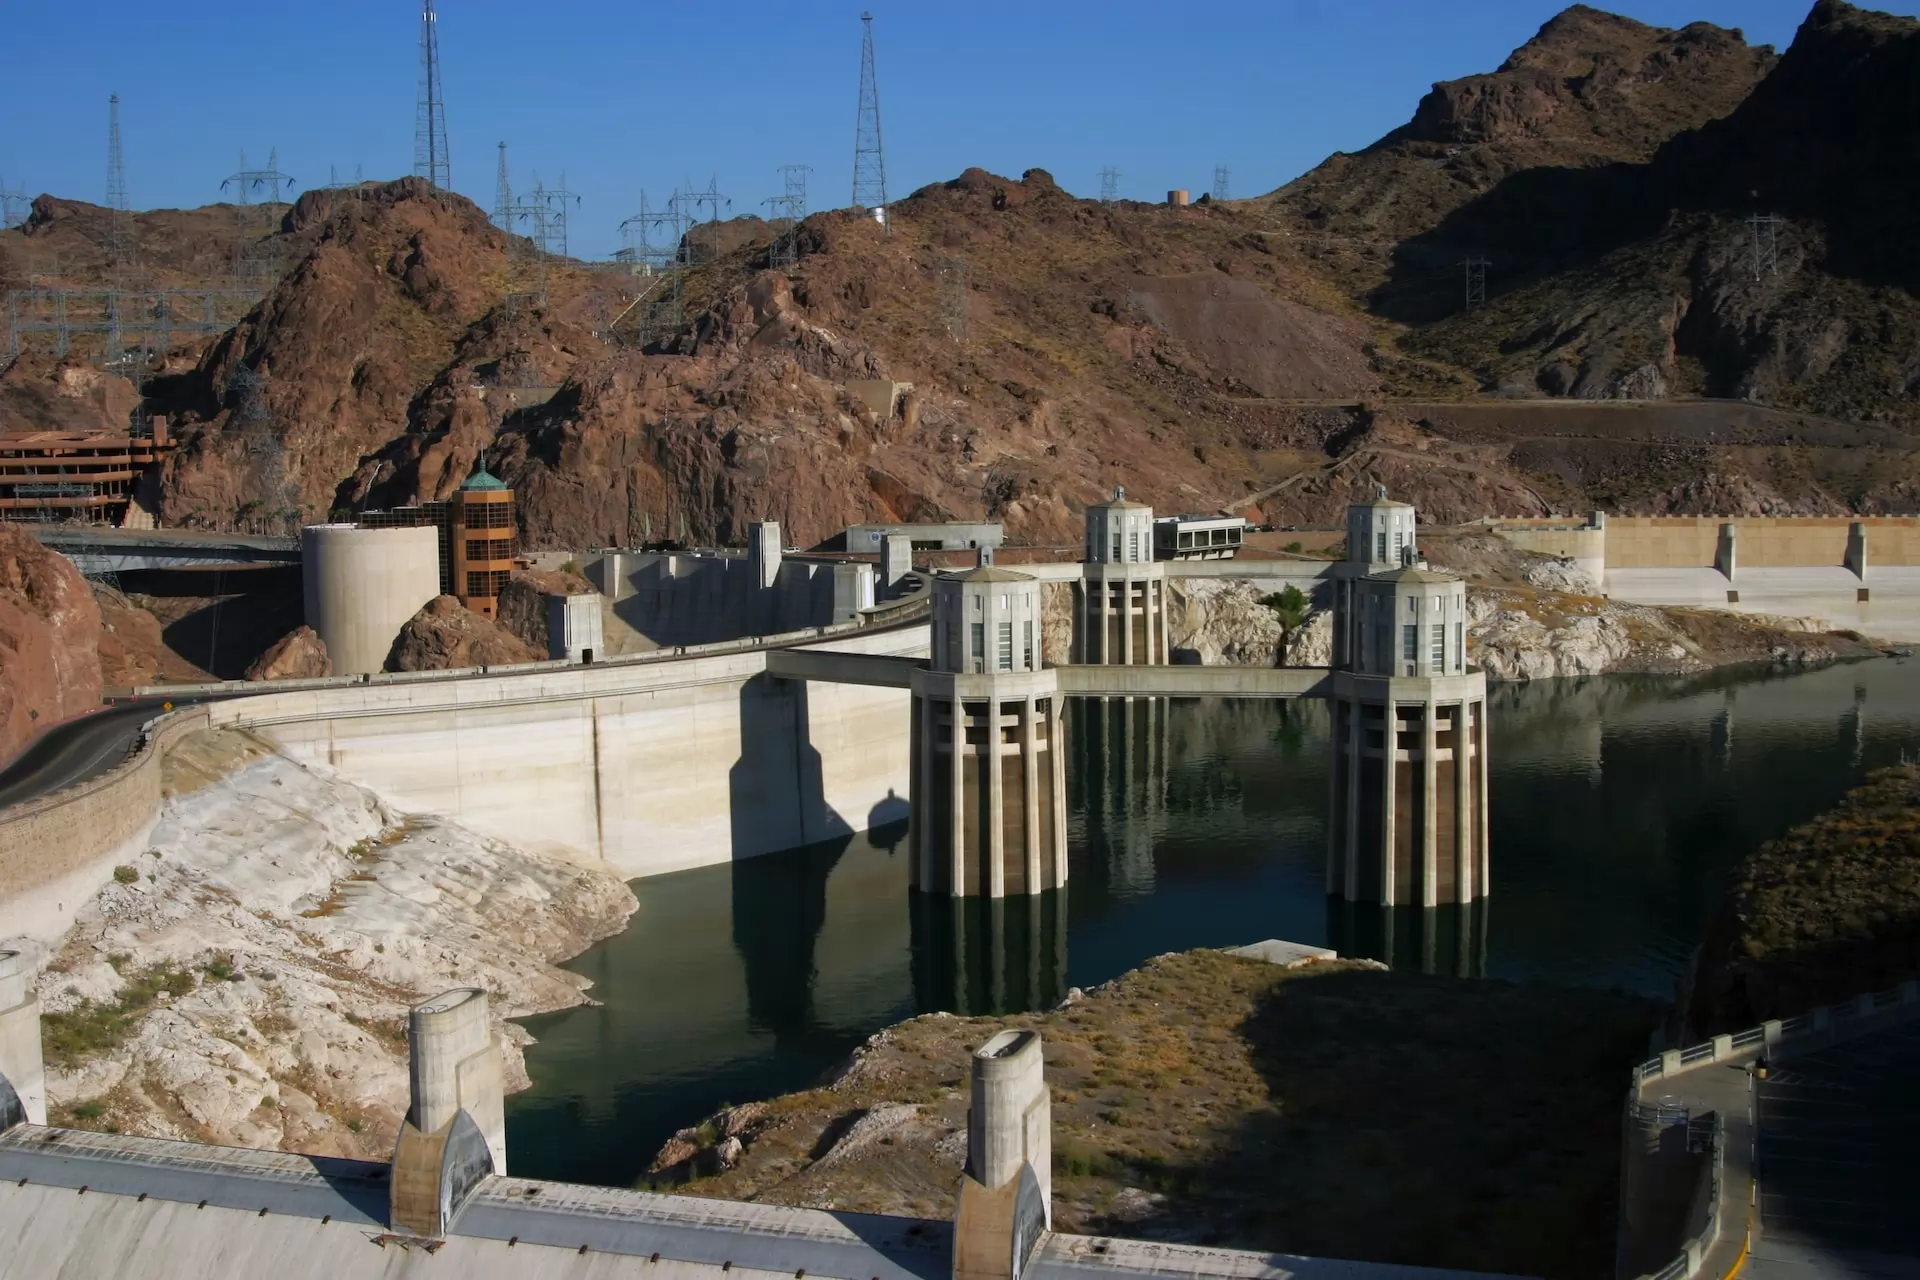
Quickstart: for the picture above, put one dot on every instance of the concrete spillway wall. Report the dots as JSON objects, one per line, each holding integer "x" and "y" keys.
{"x": 662, "y": 600}
{"x": 650, "y": 767}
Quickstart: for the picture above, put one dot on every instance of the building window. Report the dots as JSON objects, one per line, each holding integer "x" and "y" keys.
{"x": 1006, "y": 646}
{"x": 1439, "y": 647}
{"x": 1133, "y": 547}
{"x": 1029, "y": 665}
{"x": 1413, "y": 606}
{"x": 1382, "y": 554}
{"x": 1396, "y": 543}
{"x": 1116, "y": 548}
{"x": 979, "y": 646}
{"x": 1410, "y": 642}
{"x": 1459, "y": 646}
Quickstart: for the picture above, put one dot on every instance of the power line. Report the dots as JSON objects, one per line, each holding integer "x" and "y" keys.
{"x": 430, "y": 156}
{"x": 869, "y": 161}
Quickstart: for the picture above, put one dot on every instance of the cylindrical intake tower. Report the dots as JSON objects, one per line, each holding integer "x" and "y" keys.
{"x": 1409, "y": 805}
{"x": 989, "y": 769}
{"x": 1121, "y": 616}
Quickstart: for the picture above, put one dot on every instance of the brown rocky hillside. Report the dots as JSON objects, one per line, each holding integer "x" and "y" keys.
{"x": 1609, "y": 171}
{"x": 1273, "y": 357}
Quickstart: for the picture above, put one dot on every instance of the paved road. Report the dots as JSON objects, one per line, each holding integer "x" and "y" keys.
{"x": 1839, "y": 1189}
{"x": 74, "y": 751}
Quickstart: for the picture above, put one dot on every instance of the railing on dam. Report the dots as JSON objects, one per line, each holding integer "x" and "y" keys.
{"x": 904, "y": 611}
{"x": 1193, "y": 682}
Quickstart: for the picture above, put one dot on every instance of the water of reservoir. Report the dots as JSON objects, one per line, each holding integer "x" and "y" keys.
{"x": 1618, "y": 805}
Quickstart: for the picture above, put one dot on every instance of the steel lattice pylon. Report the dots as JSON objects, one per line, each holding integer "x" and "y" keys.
{"x": 430, "y": 158}
{"x": 869, "y": 161}
{"x": 119, "y": 215}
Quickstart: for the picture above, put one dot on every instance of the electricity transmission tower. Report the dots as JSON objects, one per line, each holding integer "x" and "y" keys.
{"x": 1219, "y": 183}
{"x": 869, "y": 163}
{"x": 791, "y": 207}
{"x": 430, "y": 157}
{"x": 119, "y": 216}
{"x": 556, "y": 198}
{"x": 1476, "y": 281}
{"x": 1109, "y": 185}
{"x": 14, "y": 205}
{"x": 1766, "y": 258}
{"x": 953, "y": 298}
{"x": 712, "y": 199}
{"x": 254, "y": 254}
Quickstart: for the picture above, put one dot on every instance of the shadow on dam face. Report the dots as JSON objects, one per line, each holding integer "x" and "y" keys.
{"x": 776, "y": 789}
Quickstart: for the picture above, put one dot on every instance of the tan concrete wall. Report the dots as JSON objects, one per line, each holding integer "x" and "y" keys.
{"x": 57, "y": 850}
{"x": 1688, "y": 542}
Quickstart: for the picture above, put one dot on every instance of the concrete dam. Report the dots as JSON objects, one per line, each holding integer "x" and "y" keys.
{"x": 649, "y": 767}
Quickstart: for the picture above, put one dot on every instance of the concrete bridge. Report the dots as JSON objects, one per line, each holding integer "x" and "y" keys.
{"x": 1075, "y": 680}
{"x": 97, "y": 550}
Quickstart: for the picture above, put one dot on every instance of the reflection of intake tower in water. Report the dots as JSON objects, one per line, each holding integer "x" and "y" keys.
{"x": 989, "y": 777}
{"x": 1451, "y": 939}
{"x": 978, "y": 956}
{"x": 1119, "y": 780}
{"x": 1408, "y": 819}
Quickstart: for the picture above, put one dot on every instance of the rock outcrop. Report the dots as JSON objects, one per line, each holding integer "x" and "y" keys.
{"x": 246, "y": 980}
{"x": 49, "y": 640}
{"x": 298, "y": 655}
{"x": 446, "y": 634}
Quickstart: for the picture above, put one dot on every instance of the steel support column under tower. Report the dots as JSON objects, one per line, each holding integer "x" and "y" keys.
{"x": 430, "y": 157}
{"x": 869, "y": 160}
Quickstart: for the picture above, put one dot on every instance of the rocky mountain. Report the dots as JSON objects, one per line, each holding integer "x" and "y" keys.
{"x": 1275, "y": 357}
{"x": 1612, "y": 173}
{"x": 49, "y": 640}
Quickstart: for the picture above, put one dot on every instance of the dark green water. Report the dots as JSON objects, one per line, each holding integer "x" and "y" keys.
{"x": 1617, "y": 804}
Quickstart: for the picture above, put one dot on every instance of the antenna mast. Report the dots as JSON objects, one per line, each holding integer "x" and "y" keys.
{"x": 119, "y": 217}
{"x": 869, "y": 164}
{"x": 430, "y": 159}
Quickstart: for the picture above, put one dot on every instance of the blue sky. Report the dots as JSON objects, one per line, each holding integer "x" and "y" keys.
{"x": 631, "y": 95}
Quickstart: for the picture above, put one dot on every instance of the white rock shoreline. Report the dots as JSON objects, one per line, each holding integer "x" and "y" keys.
{"x": 269, "y": 942}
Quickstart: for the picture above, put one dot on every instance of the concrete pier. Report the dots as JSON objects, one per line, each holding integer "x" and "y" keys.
{"x": 989, "y": 769}
{"x": 455, "y": 1133}
{"x": 1005, "y": 1205}
{"x": 20, "y": 1062}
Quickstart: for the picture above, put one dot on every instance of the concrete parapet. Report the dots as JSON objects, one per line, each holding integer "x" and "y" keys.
{"x": 455, "y": 1132}
{"x": 1005, "y": 1205}
{"x": 20, "y": 1062}
{"x": 1723, "y": 555}
{"x": 56, "y": 850}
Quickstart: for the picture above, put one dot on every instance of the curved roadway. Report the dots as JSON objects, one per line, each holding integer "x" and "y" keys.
{"x": 75, "y": 751}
